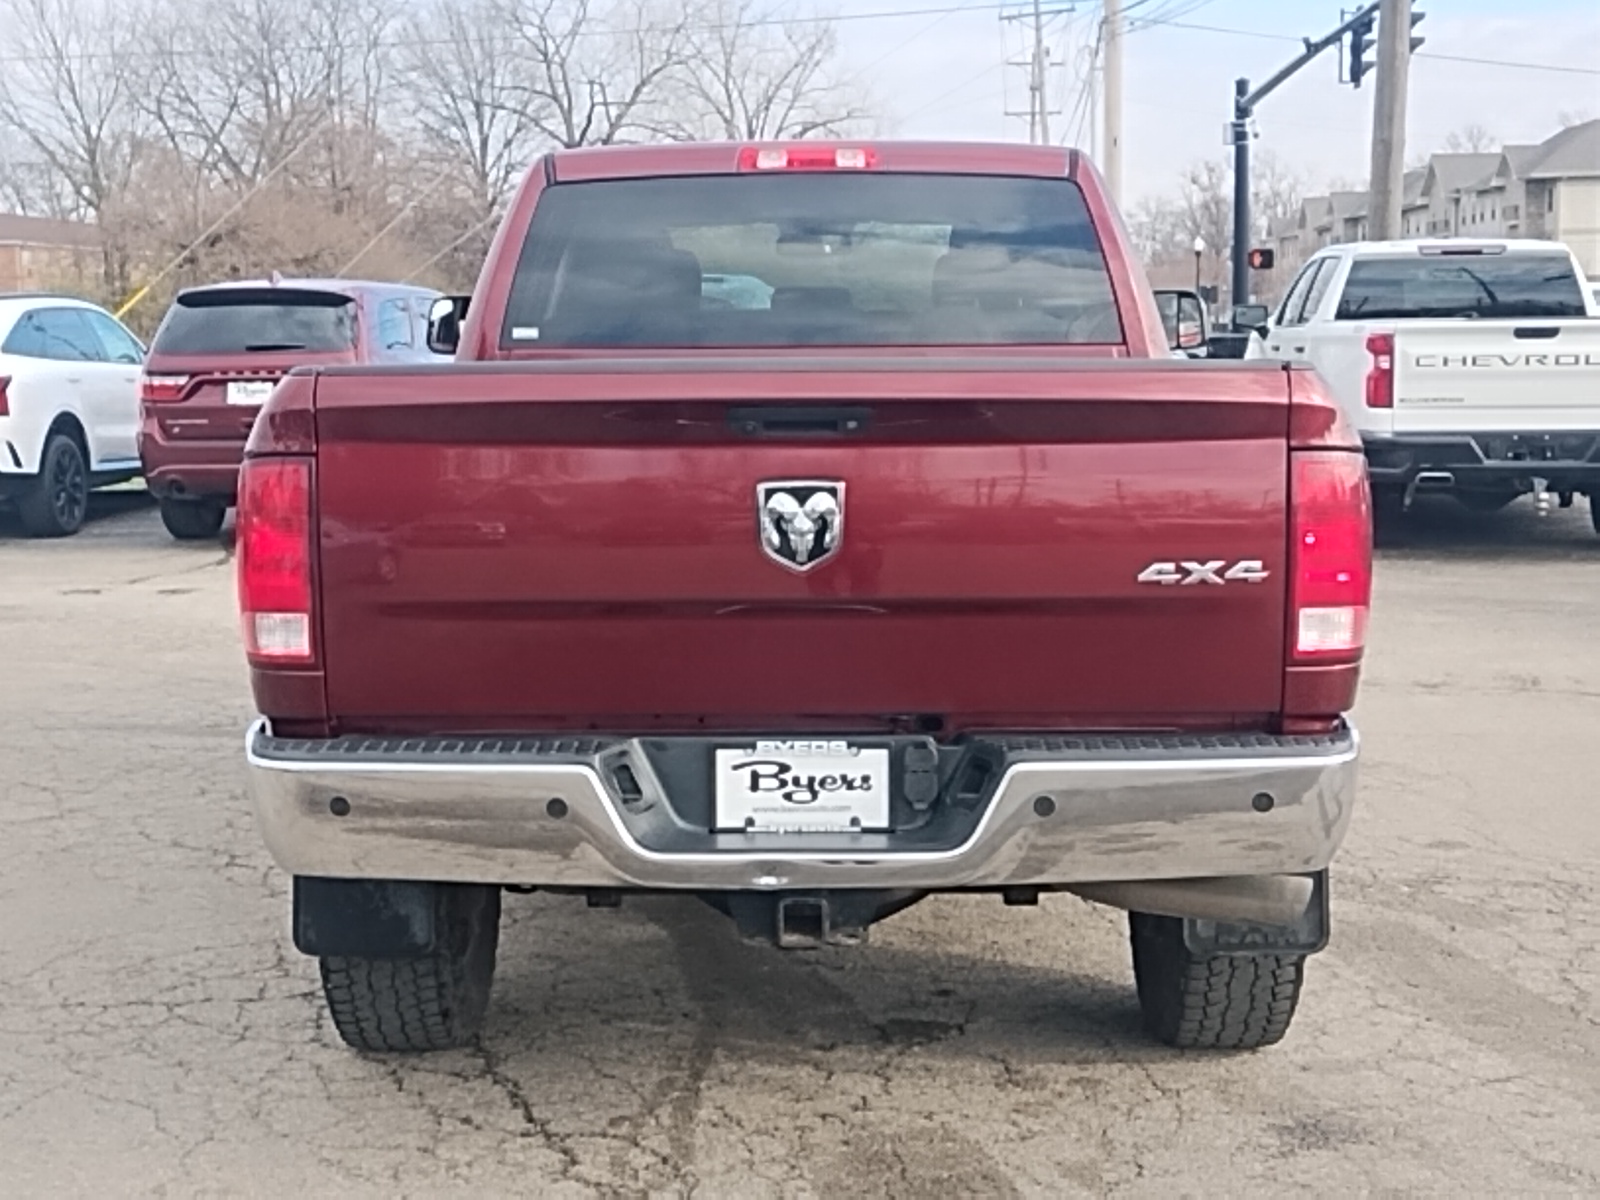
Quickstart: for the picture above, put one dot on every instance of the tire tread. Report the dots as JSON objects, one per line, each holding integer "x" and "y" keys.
{"x": 1218, "y": 1001}
{"x": 411, "y": 1005}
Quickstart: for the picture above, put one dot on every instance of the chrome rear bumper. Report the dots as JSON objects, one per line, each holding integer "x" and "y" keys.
{"x": 1060, "y": 810}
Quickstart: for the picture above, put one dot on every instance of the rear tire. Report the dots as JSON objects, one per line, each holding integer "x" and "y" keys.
{"x": 57, "y": 503}
{"x": 435, "y": 1002}
{"x": 192, "y": 520}
{"x": 1211, "y": 1002}
{"x": 1594, "y": 512}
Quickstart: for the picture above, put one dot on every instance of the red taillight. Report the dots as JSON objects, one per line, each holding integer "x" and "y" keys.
{"x": 5, "y": 400}
{"x": 806, "y": 158}
{"x": 162, "y": 389}
{"x": 1330, "y": 558}
{"x": 1380, "y": 375}
{"x": 274, "y": 552}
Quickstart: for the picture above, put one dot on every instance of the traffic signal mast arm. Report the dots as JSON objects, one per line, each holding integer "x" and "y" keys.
{"x": 1244, "y": 105}
{"x": 1363, "y": 18}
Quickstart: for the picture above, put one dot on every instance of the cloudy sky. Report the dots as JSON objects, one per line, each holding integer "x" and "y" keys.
{"x": 942, "y": 74}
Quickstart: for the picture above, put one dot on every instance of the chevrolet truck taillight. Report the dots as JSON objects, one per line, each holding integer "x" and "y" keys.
{"x": 274, "y": 553}
{"x": 1380, "y": 374}
{"x": 162, "y": 389}
{"x": 1330, "y": 556}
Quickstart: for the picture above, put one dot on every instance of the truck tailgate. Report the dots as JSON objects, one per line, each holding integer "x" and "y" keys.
{"x": 1488, "y": 376}
{"x": 569, "y": 545}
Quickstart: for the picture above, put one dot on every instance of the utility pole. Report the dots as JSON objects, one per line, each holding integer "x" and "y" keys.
{"x": 1113, "y": 32}
{"x": 1093, "y": 85}
{"x": 1389, "y": 120}
{"x": 1038, "y": 66}
{"x": 1041, "y": 101}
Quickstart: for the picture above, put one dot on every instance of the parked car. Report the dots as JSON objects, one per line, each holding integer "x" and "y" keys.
{"x": 218, "y": 354}
{"x": 1467, "y": 366}
{"x": 938, "y": 573}
{"x": 69, "y": 407}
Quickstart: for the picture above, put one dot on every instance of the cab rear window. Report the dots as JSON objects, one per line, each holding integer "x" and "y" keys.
{"x": 247, "y": 320}
{"x": 811, "y": 259}
{"x": 1503, "y": 286}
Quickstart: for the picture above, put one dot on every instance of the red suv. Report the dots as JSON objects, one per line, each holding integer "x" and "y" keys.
{"x": 218, "y": 354}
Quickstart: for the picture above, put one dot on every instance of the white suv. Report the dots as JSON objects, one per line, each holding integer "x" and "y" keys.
{"x": 69, "y": 408}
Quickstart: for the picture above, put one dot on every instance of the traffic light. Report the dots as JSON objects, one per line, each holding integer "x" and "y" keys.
{"x": 1360, "y": 43}
{"x": 1262, "y": 259}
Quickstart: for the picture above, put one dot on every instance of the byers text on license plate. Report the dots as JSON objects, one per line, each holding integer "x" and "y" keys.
{"x": 802, "y": 787}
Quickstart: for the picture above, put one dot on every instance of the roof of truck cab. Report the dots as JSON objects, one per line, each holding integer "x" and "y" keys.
{"x": 722, "y": 158}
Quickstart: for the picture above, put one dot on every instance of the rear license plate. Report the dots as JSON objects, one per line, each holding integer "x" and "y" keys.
{"x": 802, "y": 787}
{"x": 249, "y": 393}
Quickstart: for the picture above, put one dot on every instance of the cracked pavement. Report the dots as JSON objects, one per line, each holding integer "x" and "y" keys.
{"x": 159, "y": 1035}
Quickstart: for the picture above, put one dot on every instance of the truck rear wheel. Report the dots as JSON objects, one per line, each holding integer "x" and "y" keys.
{"x": 433, "y": 1002}
{"x": 192, "y": 520}
{"x": 1212, "y": 1001}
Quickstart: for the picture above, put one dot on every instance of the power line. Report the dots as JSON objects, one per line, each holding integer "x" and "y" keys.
{"x": 960, "y": 87}
{"x": 920, "y": 33}
{"x": 842, "y": 18}
{"x": 1434, "y": 54}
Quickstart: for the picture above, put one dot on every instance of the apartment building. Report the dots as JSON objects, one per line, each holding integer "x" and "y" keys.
{"x": 1550, "y": 190}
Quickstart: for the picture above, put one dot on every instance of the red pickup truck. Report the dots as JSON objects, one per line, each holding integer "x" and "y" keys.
{"x": 810, "y": 529}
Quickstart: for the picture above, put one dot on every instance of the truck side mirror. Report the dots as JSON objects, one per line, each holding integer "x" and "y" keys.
{"x": 1251, "y": 318}
{"x": 1183, "y": 315}
{"x": 444, "y": 323}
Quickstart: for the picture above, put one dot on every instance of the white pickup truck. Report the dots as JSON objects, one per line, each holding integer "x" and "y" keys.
{"x": 1467, "y": 366}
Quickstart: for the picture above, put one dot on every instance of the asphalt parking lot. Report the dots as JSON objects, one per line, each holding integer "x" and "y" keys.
{"x": 159, "y": 1036}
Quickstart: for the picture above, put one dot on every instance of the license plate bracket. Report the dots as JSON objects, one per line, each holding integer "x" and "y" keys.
{"x": 801, "y": 786}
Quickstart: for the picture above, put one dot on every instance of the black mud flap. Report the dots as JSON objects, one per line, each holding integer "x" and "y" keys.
{"x": 1308, "y": 935}
{"x": 364, "y": 918}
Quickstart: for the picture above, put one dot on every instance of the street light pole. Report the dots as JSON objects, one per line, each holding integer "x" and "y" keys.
{"x": 1199, "y": 251}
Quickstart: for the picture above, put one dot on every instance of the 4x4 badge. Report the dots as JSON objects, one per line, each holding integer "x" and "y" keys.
{"x": 801, "y": 520}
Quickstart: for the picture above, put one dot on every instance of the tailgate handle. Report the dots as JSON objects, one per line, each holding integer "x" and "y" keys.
{"x": 810, "y": 420}
{"x": 1534, "y": 332}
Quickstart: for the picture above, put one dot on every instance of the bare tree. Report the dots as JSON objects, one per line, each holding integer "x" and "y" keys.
{"x": 1164, "y": 228}
{"x": 1471, "y": 139}
{"x": 601, "y": 69}
{"x": 467, "y": 88}
{"x": 752, "y": 74}
{"x": 67, "y": 95}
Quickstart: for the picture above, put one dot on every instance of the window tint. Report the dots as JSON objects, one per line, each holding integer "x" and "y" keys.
{"x": 117, "y": 344}
{"x": 235, "y": 320}
{"x": 811, "y": 259}
{"x": 394, "y": 326}
{"x": 1292, "y": 312}
{"x": 60, "y": 334}
{"x": 1477, "y": 285}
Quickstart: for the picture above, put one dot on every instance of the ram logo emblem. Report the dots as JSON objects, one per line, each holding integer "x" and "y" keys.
{"x": 802, "y": 521}
{"x": 1216, "y": 571}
